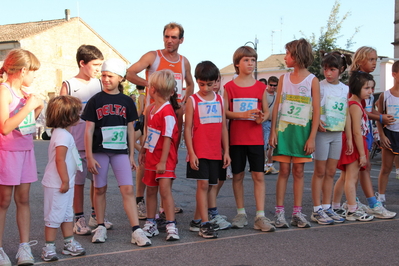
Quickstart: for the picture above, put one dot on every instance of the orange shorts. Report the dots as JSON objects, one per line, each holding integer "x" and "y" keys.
{"x": 151, "y": 178}
{"x": 291, "y": 159}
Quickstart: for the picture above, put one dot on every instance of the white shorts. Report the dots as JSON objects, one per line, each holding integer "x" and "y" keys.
{"x": 58, "y": 207}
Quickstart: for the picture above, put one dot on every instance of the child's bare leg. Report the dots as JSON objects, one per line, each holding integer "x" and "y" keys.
{"x": 50, "y": 234}
{"x": 317, "y": 181}
{"x": 151, "y": 202}
{"x": 129, "y": 204}
{"x": 100, "y": 203}
{"x": 212, "y": 195}
{"x": 67, "y": 229}
{"x": 238, "y": 189}
{"x": 387, "y": 162}
{"x": 259, "y": 190}
{"x": 78, "y": 198}
{"x": 219, "y": 186}
{"x": 297, "y": 172}
{"x": 339, "y": 188}
{"x": 281, "y": 185}
{"x": 21, "y": 198}
{"x": 168, "y": 203}
{"x": 328, "y": 181}
{"x": 202, "y": 199}
{"x": 351, "y": 176}
{"x": 5, "y": 200}
{"x": 365, "y": 181}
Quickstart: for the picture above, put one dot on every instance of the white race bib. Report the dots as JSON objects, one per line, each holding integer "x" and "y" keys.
{"x": 336, "y": 107}
{"x": 295, "y": 112}
{"x": 77, "y": 158}
{"x": 244, "y": 104}
{"x": 114, "y": 138}
{"x": 394, "y": 110}
{"x": 210, "y": 112}
{"x": 28, "y": 125}
{"x": 152, "y": 139}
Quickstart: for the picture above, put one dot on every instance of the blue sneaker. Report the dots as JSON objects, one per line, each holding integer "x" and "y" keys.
{"x": 333, "y": 215}
{"x": 321, "y": 217}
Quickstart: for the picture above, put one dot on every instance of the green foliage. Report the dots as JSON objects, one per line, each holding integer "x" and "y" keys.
{"x": 327, "y": 41}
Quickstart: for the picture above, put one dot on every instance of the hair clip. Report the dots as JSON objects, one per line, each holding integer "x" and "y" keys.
{"x": 342, "y": 55}
{"x": 325, "y": 54}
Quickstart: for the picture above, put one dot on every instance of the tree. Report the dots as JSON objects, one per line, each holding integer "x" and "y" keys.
{"x": 327, "y": 41}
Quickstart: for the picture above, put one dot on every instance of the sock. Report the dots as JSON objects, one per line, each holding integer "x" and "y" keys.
{"x": 372, "y": 201}
{"x": 170, "y": 222}
{"x": 381, "y": 197}
{"x": 196, "y": 220}
{"x": 316, "y": 208}
{"x": 326, "y": 206}
{"x": 93, "y": 212}
{"x": 68, "y": 239}
{"x": 352, "y": 208}
{"x": 260, "y": 213}
{"x": 48, "y": 243}
{"x": 204, "y": 223}
{"x": 23, "y": 244}
{"x": 134, "y": 228}
{"x": 139, "y": 199}
{"x": 152, "y": 220}
{"x": 269, "y": 164}
{"x": 296, "y": 210}
{"x": 78, "y": 216}
{"x": 161, "y": 210}
{"x": 241, "y": 211}
{"x": 279, "y": 209}
{"x": 213, "y": 212}
{"x": 101, "y": 225}
{"x": 336, "y": 205}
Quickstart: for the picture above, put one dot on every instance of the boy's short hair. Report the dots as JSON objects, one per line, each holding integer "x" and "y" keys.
{"x": 301, "y": 51}
{"x": 140, "y": 88}
{"x": 357, "y": 80}
{"x": 173, "y": 25}
{"x": 263, "y": 80}
{"x": 63, "y": 111}
{"x": 206, "y": 71}
{"x": 360, "y": 56}
{"x": 164, "y": 82}
{"x": 88, "y": 53}
{"x": 395, "y": 67}
{"x": 243, "y": 51}
{"x": 273, "y": 79}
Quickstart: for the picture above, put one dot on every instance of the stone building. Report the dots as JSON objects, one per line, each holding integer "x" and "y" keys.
{"x": 55, "y": 43}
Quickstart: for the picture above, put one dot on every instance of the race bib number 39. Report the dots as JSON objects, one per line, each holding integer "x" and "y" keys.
{"x": 295, "y": 112}
{"x": 244, "y": 104}
{"x": 210, "y": 112}
{"x": 28, "y": 125}
{"x": 152, "y": 139}
{"x": 114, "y": 138}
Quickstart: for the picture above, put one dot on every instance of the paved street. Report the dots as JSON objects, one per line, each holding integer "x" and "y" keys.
{"x": 350, "y": 243}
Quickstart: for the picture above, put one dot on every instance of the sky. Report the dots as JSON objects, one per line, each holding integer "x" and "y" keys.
{"x": 215, "y": 29}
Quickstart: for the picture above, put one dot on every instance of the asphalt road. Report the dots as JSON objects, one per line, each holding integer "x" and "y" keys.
{"x": 350, "y": 243}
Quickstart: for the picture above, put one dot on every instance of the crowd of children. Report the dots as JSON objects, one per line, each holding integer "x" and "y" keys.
{"x": 93, "y": 126}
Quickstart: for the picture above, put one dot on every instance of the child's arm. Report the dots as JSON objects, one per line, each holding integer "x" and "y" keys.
{"x": 225, "y": 143}
{"x": 310, "y": 145}
{"x": 348, "y": 133}
{"x": 273, "y": 136}
{"x": 131, "y": 141}
{"x": 161, "y": 166}
{"x": 188, "y": 137}
{"x": 356, "y": 115}
{"x": 60, "y": 156}
{"x": 265, "y": 107}
{"x": 92, "y": 164}
{"x": 386, "y": 118}
{"x": 7, "y": 123}
{"x": 143, "y": 150}
{"x": 384, "y": 141}
{"x": 249, "y": 114}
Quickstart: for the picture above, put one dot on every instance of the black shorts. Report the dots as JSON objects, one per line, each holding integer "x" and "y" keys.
{"x": 208, "y": 170}
{"x": 393, "y": 137}
{"x": 239, "y": 155}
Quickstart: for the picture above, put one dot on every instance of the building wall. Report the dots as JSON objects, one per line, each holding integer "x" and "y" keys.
{"x": 56, "y": 49}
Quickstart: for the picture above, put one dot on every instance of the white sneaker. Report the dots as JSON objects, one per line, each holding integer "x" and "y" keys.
{"x": 80, "y": 227}
{"x": 140, "y": 239}
{"x": 221, "y": 222}
{"x": 4, "y": 260}
{"x": 100, "y": 234}
{"x": 172, "y": 231}
{"x": 49, "y": 253}
{"x": 73, "y": 248}
{"x": 359, "y": 215}
{"x": 380, "y": 212}
{"x": 150, "y": 229}
{"x": 93, "y": 223}
{"x": 24, "y": 254}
